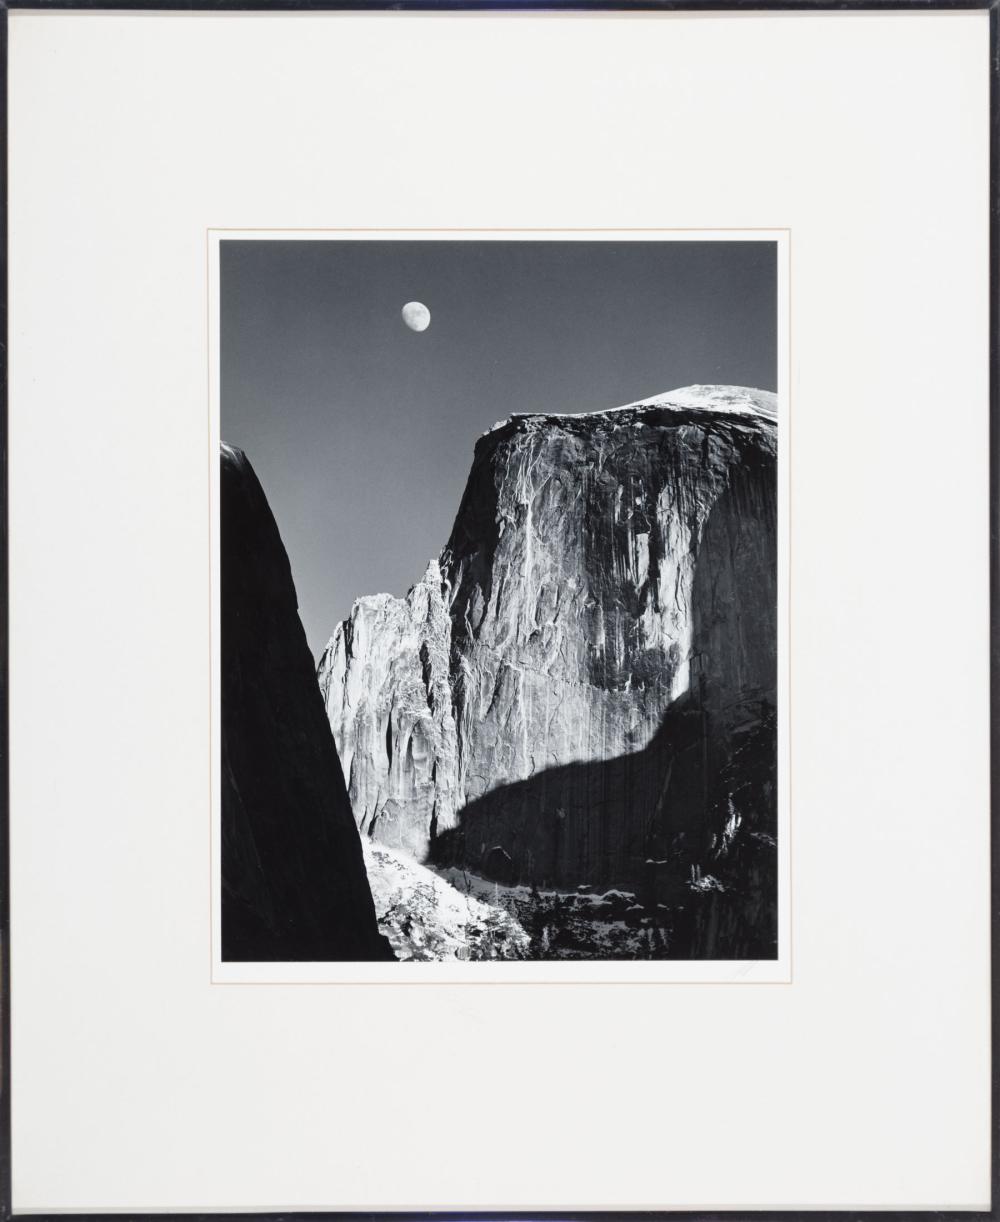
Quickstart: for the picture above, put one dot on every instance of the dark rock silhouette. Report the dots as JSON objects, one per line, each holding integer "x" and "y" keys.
{"x": 293, "y": 879}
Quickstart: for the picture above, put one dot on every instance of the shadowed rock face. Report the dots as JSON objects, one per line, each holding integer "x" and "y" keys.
{"x": 293, "y": 879}
{"x": 607, "y": 606}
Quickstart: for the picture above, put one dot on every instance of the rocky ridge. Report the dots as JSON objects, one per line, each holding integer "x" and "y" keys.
{"x": 581, "y": 690}
{"x": 384, "y": 678}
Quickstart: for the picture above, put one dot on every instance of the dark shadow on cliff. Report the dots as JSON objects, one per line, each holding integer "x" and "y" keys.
{"x": 690, "y": 822}
{"x": 294, "y": 885}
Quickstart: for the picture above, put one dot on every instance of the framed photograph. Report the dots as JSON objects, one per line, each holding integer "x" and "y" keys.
{"x": 501, "y": 536}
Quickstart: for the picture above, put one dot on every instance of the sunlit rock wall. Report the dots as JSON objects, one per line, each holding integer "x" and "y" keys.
{"x": 384, "y": 680}
{"x": 607, "y": 602}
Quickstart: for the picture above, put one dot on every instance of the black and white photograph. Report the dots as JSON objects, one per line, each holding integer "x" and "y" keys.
{"x": 482, "y": 487}
{"x": 499, "y": 598}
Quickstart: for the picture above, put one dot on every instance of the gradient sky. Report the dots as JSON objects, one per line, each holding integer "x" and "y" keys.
{"x": 362, "y": 431}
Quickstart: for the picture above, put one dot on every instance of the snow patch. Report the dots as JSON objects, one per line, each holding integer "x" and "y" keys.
{"x": 731, "y": 400}
{"x": 428, "y": 920}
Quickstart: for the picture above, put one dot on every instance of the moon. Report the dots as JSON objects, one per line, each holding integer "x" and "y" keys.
{"x": 416, "y": 316}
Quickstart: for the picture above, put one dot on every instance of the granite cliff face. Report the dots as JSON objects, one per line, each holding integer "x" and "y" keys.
{"x": 293, "y": 878}
{"x": 582, "y": 689}
{"x": 385, "y": 682}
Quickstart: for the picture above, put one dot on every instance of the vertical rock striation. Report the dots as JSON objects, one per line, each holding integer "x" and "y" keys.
{"x": 606, "y": 604}
{"x": 293, "y": 879}
{"x": 384, "y": 678}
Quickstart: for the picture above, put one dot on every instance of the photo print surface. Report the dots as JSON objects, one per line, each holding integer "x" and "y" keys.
{"x": 499, "y": 599}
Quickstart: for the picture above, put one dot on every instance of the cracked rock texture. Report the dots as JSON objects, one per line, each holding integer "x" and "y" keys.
{"x": 385, "y": 682}
{"x": 294, "y": 885}
{"x": 582, "y": 689}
